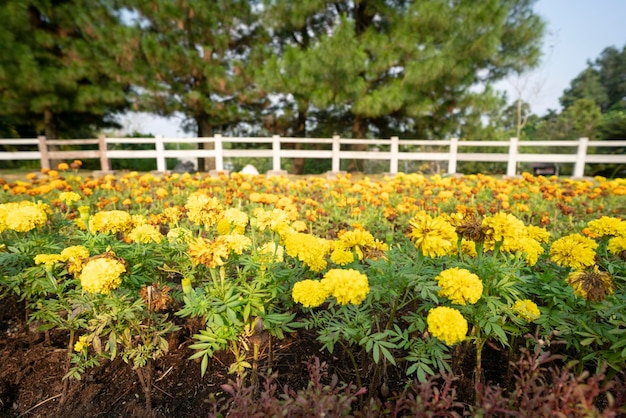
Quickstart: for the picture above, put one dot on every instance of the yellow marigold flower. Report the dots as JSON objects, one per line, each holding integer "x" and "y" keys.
{"x": 101, "y": 275}
{"x": 347, "y": 286}
{"x": 592, "y": 285}
{"x": 299, "y": 226}
{"x": 310, "y": 293}
{"x": 82, "y": 343}
{"x": 75, "y": 256}
{"x": 460, "y": 286}
{"x": 210, "y": 253}
{"x": 173, "y": 214}
{"x": 238, "y": 243}
{"x": 607, "y": 226}
{"x": 309, "y": 249}
{"x": 617, "y": 245}
{"x": 234, "y": 220}
{"x": 22, "y": 216}
{"x": 110, "y": 222}
{"x": 434, "y": 237}
{"x": 63, "y": 166}
{"x": 538, "y": 233}
{"x": 145, "y": 234}
{"x": 270, "y": 219}
{"x": 48, "y": 259}
{"x": 526, "y": 309}
{"x": 203, "y": 210}
{"x": 575, "y": 251}
{"x": 342, "y": 256}
{"x": 69, "y": 197}
{"x": 447, "y": 324}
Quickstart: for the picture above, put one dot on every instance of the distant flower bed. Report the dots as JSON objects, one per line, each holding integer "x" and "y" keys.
{"x": 405, "y": 269}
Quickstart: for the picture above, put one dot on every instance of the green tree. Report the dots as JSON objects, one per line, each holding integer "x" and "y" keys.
{"x": 199, "y": 58}
{"x": 62, "y": 65}
{"x": 412, "y": 65}
{"x": 602, "y": 81}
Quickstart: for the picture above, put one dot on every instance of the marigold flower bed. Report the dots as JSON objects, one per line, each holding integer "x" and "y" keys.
{"x": 397, "y": 283}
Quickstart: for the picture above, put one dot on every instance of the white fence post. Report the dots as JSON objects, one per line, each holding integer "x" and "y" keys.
{"x": 43, "y": 150}
{"x": 159, "y": 146}
{"x": 511, "y": 168}
{"x": 104, "y": 159}
{"x": 581, "y": 155}
{"x": 276, "y": 153}
{"x": 336, "y": 163}
{"x": 454, "y": 150}
{"x": 393, "y": 159}
{"x": 219, "y": 152}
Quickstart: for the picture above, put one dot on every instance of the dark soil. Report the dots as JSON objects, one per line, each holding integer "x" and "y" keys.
{"x": 33, "y": 366}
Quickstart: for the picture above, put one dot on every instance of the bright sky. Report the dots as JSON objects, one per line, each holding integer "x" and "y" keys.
{"x": 577, "y": 32}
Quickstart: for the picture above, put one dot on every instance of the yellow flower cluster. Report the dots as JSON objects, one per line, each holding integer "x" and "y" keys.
{"x": 526, "y": 309}
{"x": 617, "y": 245}
{"x": 82, "y": 343}
{"x": 22, "y": 216}
{"x": 434, "y": 237}
{"x": 203, "y": 209}
{"x": 309, "y": 293}
{"x": 447, "y": 324}
{"x": 145, "y": 234}
{"x": 210, "y": 253}
{"x": 574, "y": 250}
{"x": 347, "y": 286}
{"x": 359, "y": 242}
{"x": 460, "y": 286}
{"x": 69, "y": 197}
{"x": 74, "y": 256}
{"x": 514, "y": 236}
{"x": 607, "y": 226}
{"x": 101, "y": 275}
{"x": 110, "y": 222}
{"x": 309, "y": 249}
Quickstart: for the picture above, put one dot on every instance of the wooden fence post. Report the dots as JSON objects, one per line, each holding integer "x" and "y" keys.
{"x": 104, "y": 159}
{"x": 454, "y": 150}
{"x": 511, "y": 168}
{"x": 43, "y": 150}
{"x": 393, "y": 160}
{"x": 219, "y": 152}
{"x": 159, "y": 147}
{"x": 581, "y": 155}
{"x": 336, "y": 162}
{"x": 276, "y": 153}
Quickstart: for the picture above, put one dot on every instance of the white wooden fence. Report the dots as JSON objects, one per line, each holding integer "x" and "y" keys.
{"x": 337, "y": 149}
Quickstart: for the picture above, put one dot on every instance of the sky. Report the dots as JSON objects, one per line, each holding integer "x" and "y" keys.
{"x": 577, "y": 31}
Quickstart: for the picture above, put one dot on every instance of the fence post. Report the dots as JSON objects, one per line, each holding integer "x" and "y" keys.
{"x": 102, "y": 148}
{"x": 159, "y": 146}
{"x": 454, "y": 150}
{"x": 511, "y": 168}
{"x": 394, "y": 150}
{"x": 43, "y": 150}
{"x": 336, "y": 162}
{"x": 276, "y": 153}
{"x": 581, "y": 155}
{"x": 219, "y": 152}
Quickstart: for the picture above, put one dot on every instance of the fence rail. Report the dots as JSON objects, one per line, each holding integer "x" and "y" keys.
{"x": 392, "y": 150}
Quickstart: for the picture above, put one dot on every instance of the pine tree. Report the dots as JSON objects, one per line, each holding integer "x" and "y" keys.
{"x": 61, "y": 65}
{"x": 198, "y": 59}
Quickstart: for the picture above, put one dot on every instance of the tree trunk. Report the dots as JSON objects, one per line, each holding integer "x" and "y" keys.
{"x": 51, "y": 132}
{"x": 205, "y": 130}
{"x": 300, "y": 132}
{"x": 359, "y": 129}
